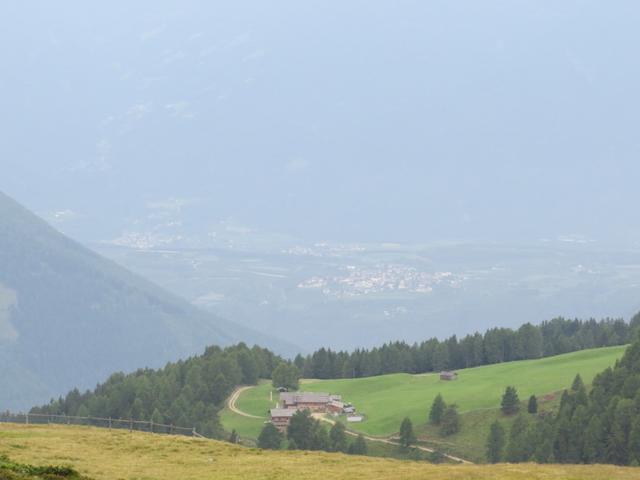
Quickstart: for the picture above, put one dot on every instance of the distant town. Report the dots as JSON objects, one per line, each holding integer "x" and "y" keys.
{"x": 357, "y": 281}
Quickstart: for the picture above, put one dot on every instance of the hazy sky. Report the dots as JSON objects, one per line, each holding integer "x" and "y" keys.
{"x": 341, "y": 120}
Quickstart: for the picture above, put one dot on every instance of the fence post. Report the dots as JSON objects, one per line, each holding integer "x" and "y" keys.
{"x": 109, "y": 423}
{"x": 193, "y": 432}
{"x": 27, "y": 419}
{"x": 131, "y": 425}
{"x": 151, "y": 426}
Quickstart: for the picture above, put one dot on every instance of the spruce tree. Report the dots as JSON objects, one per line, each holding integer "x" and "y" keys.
{"x": 407, "y": 437}
{"x": 358, "y": 446}
{"x": 577, "y": 383}
{"x": 319, "y": 437}
{"x": 301, "y": 430}
{"x": 634, "y": 442}
{"x": 518, "y": 448}
{"x": 510, "y": 402}
{"x": 532, "y": 407}
{"x": 437, "y": 410}
{"x": 495, "y": 443}
{"x": 450, "y": 421}
{"x": 270, "y": 437}
{"x": 338, "y": 438}
{"x": 286, "y": 375}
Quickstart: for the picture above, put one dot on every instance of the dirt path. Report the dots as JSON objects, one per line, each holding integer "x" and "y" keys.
{"x": 387, "y": 441}
{"x": 231, "y": 403}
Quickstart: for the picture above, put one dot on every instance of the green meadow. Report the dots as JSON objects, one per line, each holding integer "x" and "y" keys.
{"x": 386, "y": 400}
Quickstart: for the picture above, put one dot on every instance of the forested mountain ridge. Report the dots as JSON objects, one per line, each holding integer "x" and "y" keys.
{"x": 69, "y": 318}
{"x": 192, "y": 391}
{"x": 496, "y": 345}
{"x": 187, "y": 393}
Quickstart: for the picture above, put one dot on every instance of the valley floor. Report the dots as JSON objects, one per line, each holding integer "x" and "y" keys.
{"x": 114, "y": 454}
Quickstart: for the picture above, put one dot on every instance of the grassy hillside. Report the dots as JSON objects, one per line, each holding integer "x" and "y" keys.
{"x": 108, "y": 454}
{"x": 69, "y": 318}
{"x": 387, "y": 399}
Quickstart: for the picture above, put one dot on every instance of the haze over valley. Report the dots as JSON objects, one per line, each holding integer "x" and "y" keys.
{"x": 327, "y": 231}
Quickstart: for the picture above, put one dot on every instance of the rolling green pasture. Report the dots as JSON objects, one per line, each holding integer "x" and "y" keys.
{"x": 387, "y": 399}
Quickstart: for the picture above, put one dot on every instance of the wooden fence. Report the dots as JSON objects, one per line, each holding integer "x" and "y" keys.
{"x": 119, "y": 423}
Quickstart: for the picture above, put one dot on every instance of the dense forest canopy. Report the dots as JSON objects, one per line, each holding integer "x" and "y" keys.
{"x": 191, "y": 392}
{"x": 186, "y": 393}
{"x": 497, "y": 345}
{"x": 601, "y": 426}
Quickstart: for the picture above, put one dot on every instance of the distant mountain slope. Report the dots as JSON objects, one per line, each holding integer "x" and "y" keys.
{"x": 69, "y": 318}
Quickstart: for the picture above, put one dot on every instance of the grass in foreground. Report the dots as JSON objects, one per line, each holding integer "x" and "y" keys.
{"x": 18, "y": 471}
{"x": 114, "y": 454}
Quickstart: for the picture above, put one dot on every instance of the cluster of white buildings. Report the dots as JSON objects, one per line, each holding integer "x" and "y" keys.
{"x": 387, "y": 278}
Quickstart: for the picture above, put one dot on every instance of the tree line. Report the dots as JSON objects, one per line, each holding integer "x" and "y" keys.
{"x": 597, "y": 426}
{"x": 187, "y": 393}
{"x": 496, "y": 345}
{"x": 190, "y": 393}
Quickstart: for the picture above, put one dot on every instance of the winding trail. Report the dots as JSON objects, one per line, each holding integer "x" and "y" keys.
{"x": 233, "y": 398}
{"x": 389, "y": 441}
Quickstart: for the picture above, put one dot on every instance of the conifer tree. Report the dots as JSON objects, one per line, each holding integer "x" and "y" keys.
{"x": 495, "y": 443}
{"x": 532, "y": 406}
{"x": 338, "y": 438}
{"x": 407, "y": 436}
{"x": 358, "y": 446}
{"x": 270, "y": 437}
{"x": 450, "y": 424}
{"x": 510, "y": 402}
{"x": 519, "y": 448}
{"x": 437, "y": 410}
{"x": 577, "y": 383}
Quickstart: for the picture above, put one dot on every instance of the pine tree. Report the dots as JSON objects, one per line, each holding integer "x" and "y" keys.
{"x": 594, "y": 441}
{"x": 495, "y": 443}
{"x": 270, "y": 437}
{"x": 319, "y": 437}
{"x": 518, "y": 449}
{"x": 532, "y": 407}
{"x": 437, "y": 410}
{"x": 301, "y": 430}
{"x": 542, "y": 441}
{"x": 285, "y": 375}
{"x": 510, "y": 401}
{"x": 634, "y": 442}
{"x": 577, "y": 383}
{"x": 338, "y": 438}
{"x": 234, "y": 437}
{"x": 157, "y": 417}
{"x": 407, "y": 437}
{"x": 358, "y": 446}
{"x": 450, "y": 421}
{"x": 83, "y": 411}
